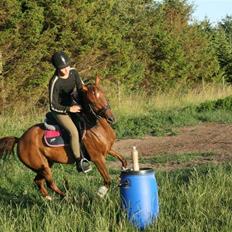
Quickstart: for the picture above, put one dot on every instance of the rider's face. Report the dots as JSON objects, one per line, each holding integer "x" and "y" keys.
{"x": 64, "y": 71}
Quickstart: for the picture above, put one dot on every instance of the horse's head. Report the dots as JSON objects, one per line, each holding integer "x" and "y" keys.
{"x": 97, "y": 101}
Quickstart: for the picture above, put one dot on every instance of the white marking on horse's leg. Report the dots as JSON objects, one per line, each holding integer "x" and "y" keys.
{"x": 124, "y": 169}
{"x": 48, "y": 198}
{"x": 102, "y": 191}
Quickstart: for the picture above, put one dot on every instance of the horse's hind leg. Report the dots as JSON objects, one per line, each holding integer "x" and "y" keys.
{"x": 118, "y": 156}
{"x": 39, "y": 180}
{"x": 47, "y": 173}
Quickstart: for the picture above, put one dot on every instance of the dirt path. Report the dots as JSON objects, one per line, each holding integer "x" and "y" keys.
{"x": 211, "y": 138}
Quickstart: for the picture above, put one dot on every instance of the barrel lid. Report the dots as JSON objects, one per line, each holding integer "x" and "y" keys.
{"x": 142, "y": 171}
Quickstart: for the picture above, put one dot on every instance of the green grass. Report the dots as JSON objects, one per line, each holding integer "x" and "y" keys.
{"x": 148, "y": 120}
{"x": 194, "y": 199}
{"x": 163, "y": 122}
{"x": 13, "y": 123}
{"x": 191, "y": 199}
{"x": 138, "y": 104}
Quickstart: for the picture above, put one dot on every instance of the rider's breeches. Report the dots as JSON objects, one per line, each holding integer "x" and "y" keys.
{"x": 66, "y": 122}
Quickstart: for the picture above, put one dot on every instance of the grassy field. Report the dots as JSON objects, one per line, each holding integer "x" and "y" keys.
{"x": 193, "y": 199}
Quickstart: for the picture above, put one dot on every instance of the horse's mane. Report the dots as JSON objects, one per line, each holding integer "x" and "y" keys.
{"x": 87, "y": 113}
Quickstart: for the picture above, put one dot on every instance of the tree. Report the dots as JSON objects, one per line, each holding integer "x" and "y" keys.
{"x": 141, "y": 44}
{"x": 223, "y": 46}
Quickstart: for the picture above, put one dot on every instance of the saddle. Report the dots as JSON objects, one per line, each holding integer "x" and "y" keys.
{"x": 56, "y": 136}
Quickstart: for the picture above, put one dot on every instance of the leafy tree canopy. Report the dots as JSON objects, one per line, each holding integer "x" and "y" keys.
{"x": 142, "y": 44}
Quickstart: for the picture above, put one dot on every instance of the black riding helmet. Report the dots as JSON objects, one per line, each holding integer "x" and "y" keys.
{"x": 60, "y": 60}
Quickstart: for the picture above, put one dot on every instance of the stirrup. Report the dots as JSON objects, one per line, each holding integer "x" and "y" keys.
{"x": 81, "y": 166}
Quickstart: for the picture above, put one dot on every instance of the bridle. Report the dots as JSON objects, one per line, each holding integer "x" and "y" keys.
{"x": 99, "y": 113}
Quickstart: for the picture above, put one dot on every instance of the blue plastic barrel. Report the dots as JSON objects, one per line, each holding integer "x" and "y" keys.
{"x": 139, "y": 196}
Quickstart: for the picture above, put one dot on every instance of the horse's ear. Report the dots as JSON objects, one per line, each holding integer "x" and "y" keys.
{"x": 84, "y": 88}
{"x": 97, "y": 80}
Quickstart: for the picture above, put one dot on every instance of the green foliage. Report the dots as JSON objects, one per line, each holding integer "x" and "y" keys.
{"x": 223, "y": 43}
{"x": 155, "y": 123}
{"x": 142, "y": 44}
{"x": 220, "y": 104}
{"x": 163, "y": 122}
{"x": 175, "y": 52}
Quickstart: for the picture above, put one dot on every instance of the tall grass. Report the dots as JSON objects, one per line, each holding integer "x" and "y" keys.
{"x": 138, "y": 115}
{"x": 196, "y": 199}
{"x": 14, "y": 122}
{"x": 138, "y": 104}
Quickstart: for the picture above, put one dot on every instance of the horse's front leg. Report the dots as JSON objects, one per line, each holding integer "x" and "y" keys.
{"x": 119, "y": 157}
{"x": 101, "y": 166}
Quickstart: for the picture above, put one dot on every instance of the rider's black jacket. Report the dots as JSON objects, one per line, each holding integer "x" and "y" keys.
{"x": 60, "y": 91}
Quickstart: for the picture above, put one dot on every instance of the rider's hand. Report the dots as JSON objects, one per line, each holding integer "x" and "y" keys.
{"x": 75, "y": 109}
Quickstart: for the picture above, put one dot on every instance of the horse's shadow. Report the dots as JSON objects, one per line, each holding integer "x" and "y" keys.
{"x": 8, "y": 198}
{"x": 22, "y": 200}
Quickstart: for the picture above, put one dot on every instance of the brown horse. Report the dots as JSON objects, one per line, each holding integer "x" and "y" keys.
{"x": 98, "y": 140}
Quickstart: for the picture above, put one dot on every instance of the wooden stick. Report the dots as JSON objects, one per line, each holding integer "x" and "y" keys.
{"x": 135, "y": 159}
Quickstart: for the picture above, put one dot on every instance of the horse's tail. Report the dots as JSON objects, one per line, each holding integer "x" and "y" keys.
{"x": 7, "y": 145}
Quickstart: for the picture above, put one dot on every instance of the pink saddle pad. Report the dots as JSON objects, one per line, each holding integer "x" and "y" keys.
{"x": 52, "y": 133}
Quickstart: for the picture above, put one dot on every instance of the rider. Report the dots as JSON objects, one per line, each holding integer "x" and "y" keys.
{"x": 64, "y": 81}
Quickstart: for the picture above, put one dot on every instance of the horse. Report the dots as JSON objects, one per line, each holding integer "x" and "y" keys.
{"x": 98, "y": 140}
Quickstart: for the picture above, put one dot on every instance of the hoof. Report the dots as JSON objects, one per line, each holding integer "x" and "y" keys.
{"x": 48, "y": 198}
{"x": 102, "y": 191}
